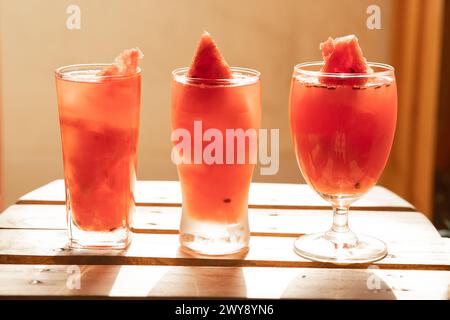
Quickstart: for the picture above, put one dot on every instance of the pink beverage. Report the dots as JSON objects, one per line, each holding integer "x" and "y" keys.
{"x": 216, "y": 193}
{"x": 343, "y": 134}
{"x": 99, "y": 119}
{"x": 212, "y": 97}
{"x": 343, "y": 114}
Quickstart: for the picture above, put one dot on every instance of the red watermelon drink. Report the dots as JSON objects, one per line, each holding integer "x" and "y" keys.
{"x": 343, "y": 115}
{"x": 212, "y": 96}
{"x": 99, "y": 119}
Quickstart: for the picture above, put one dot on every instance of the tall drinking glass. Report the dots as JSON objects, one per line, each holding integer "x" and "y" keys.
{"x": 99, "y": 121}
{"x": 224, "y": 115}
{"x": 342, "y": 135}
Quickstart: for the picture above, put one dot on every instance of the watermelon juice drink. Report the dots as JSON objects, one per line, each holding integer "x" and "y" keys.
{"x": 99, "y": 120}
{"x": 215, "y": 193}
{"x": 342, "y": 133}
{"x": 343, "y": 113}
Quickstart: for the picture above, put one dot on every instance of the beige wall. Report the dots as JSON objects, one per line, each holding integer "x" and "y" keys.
{"x": 270, "y": 36}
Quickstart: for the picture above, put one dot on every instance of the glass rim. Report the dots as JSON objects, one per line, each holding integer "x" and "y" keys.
{"x": 251, "y": 76}
{"x": 387, "y": 70}
{"x": 60, "y": 72}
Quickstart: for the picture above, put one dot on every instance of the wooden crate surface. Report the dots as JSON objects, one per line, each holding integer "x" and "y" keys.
{"x": 35, "y": 260}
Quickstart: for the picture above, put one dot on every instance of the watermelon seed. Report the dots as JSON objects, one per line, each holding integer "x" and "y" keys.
{"x": 378, "y": 87}
{"x": 331, "y": 88}
{"x": 227, "y": 200}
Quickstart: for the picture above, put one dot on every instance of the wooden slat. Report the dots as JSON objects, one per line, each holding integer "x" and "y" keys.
{"x": 49, "y": 247}
{"x": 221, "y": 282}
{"x": 273, "y": 222}
{"x": 262, "y": 195}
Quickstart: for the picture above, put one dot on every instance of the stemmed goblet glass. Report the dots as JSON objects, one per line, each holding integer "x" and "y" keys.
{"x": 343, "y": 128}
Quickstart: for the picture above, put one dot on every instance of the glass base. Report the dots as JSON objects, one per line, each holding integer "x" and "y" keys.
{"x": 117, "y": 239}
{"x": 209, "y": 238}
{"x": 320, "y": 247}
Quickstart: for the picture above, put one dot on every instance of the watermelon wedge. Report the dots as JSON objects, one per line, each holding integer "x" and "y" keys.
{"x": 208, "y": 62}
{"x": 125, "y": 63}
{"x": 343, "y": 55}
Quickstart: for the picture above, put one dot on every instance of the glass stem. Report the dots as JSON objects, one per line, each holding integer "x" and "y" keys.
{"x": 340, "y": 219}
